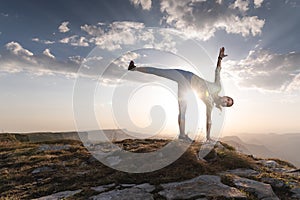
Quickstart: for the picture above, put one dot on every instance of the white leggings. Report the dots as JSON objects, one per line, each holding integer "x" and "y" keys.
{"x": 183, "y": 78}
{"x": 180, "y": 76}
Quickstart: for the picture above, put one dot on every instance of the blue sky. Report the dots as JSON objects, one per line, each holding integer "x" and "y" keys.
{"x": 44, "y": 43}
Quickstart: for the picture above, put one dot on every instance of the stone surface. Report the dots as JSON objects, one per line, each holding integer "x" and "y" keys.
{"x": 59, "y": 195}
{"x": 294, "y": 171}
{"x": 242, "y": 172}
{"x": 102, "y": 188}
{"x": 146, "y": 186}
{"x": 274, "y": 166}
{"x": 205, "y": 149}
{"x": 42, "y": 169}
{"x": 113, "y": 160}
{"x": 200, "y": 187}
{"x": 128, "y": 185}
{"x": 46, "y": 147}
{"x": 269, "y": 163}
{"x": 125, "y": 194}
{"x": 296, "y": 193}
{"x": 277, "y": 183}
{"x": 258, "y": 189}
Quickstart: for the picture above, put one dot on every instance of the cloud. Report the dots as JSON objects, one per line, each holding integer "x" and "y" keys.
{"x": 107, "y": 37}
{"x": 75, "y": 40}
{"x": 201, "y": 19}
{"x": 124, "y": 59}
{"x": 164, "y": 40}
{"x": 295, "y": 84}
{"x": 258, "y": 3}
{"x": 4, "y": 14}
{"x": 17, "y": 49}
{"x": 42, "y": 41}
{"x": 122, "y": 34}
{"x": 15, "y": 59}
{"x": 113, "y": 36}
{"x": 244, "y": 26}
{"x": 92, "y": 29}
{"x": 293, "y": 3}
{"x": 47, "y": 53}
{"x": 145, "y": 4}
{"x": 63, "y": 28}
{"x": 119, "y": 33}
{"x": 265, "y": 70}
{"x": 242, "y": 5}
{"x": 77, "y": 59}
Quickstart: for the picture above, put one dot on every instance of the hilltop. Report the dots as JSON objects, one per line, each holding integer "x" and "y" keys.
{"x": 64, "y": 169}
{"x": 283, "y": 146}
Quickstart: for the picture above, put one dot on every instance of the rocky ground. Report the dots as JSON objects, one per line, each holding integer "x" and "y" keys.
{"x": 66, "y": 170}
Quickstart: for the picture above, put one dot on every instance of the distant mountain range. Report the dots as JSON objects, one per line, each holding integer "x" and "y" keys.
{"x": 283, "y": 146}
{"x": 93, "y": 136}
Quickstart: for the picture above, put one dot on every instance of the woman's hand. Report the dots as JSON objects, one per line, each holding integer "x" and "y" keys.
{"x": 222, "y": 53}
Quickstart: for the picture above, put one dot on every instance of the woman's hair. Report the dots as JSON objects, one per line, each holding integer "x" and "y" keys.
{"x": 231, "y": 100}
{"x": 219, "y": 106}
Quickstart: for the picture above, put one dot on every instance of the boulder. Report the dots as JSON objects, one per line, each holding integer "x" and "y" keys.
{"x": 133, "y": 193}
{"x": 296, "y": 192}
{"x": 200, "y": 187}
{"x": 269, "y": 163}
{"x": 274, "y": 182}
{"x": 103, "y": 188}
{"x": 242, "y": 172}
{"x": 59, "y": 195}
{"x": 146, "y": 186}
{"x": 258, "y": 189}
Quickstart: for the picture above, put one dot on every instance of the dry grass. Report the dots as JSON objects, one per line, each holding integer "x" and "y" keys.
{"x": 74, "y": 168}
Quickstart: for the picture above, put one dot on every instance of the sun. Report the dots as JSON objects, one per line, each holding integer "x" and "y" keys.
{"x": 164, "y": 102}
{"x": 152, "y": 104}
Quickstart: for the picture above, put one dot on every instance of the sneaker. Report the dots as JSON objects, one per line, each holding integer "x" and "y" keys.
{"x": 131, "y": 66}
{"x": 185, "y": 138}
{"x": 210, "y": 140}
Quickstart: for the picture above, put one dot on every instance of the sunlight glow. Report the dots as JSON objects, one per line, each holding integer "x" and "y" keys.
{"x": 151, "y": 96}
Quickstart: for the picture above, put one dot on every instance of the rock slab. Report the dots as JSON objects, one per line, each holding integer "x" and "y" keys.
{"x": 200, "y": 187}
{"x": 134, "y": 193}
{"x": 59, "y": 195}
{"x": 259, "y": 189}
{"x": 296, "y": 193}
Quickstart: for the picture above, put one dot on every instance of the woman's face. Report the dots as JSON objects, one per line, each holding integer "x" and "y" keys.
{"x": 226, "y": 101}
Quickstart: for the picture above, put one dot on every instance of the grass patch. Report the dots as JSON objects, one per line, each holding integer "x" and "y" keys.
{"x": 74, "y": 168}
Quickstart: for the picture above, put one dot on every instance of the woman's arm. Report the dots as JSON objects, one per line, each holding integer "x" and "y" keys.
{"x": 218, "y": 69}
{"x": 208, "y": 121}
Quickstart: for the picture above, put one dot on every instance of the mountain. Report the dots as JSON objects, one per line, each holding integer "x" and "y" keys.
{"x": 283, "y": 146}
{"x": 65, "y": 169}
{"x": 91, "y": 136}
{"x": 254, "y": 149}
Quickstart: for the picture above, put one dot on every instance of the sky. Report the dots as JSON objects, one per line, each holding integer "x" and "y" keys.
{"x": 63, "y": 64}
